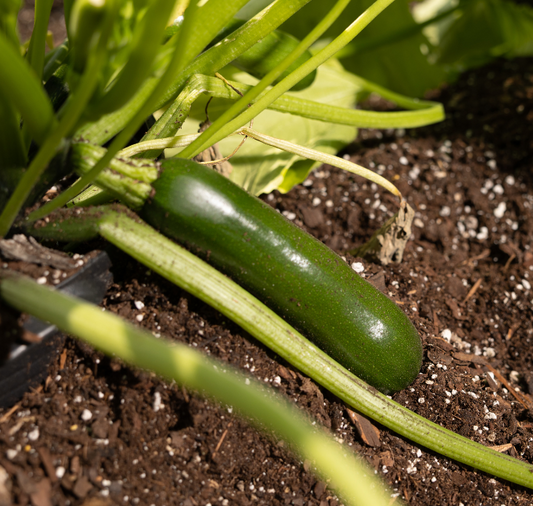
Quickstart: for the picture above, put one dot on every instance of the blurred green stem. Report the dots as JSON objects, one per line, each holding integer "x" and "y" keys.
{"x": 201, "y": 24}
{"x": 38, "y": 37}
{"x": 55, "y": 133}
{"x": 208, "y": 62}
{"x": 22, "y": 88}
{"x": 12, "y": 152}
{"x": 8, "y": 21}
{"x": 350, "y": 478}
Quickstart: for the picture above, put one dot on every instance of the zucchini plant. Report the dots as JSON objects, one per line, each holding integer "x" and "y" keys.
{"x": 126, "y": 63}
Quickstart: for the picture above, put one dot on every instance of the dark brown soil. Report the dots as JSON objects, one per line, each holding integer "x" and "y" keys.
{"x": 56, "y": 24}
{"x": 98, "y": 433}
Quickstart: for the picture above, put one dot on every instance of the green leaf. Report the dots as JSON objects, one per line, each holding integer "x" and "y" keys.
{"x": 399, "y": 65}
{"x": 8, "y": 20}
{"x": 261, "y": 169}
{"x": 487, "y": 28}
{"x": 23, "y": 89}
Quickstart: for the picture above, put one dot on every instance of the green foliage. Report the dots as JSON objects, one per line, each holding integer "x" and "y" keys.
{"x": 260, "y": 168}
{"x": 485, "y": 29}
{"x": 397, "y": 63}
{"x": 8, "y": 20}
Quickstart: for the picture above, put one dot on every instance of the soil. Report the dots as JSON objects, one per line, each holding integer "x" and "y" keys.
{"x": 98, "y": 433}
{"x": 56, "y": 24}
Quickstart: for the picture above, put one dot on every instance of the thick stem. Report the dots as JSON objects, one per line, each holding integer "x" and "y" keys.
{"x": 176, "y": 361}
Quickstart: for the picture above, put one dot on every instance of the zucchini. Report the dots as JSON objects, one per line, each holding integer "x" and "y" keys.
{"x": 294, "y": 274}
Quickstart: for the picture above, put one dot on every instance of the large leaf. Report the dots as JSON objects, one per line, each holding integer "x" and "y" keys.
{"x": 397, "y": 64}
{"x": 487, "y": 28}
{"x": 260, "y": 168}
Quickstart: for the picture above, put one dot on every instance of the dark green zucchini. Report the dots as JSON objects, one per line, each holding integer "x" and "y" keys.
{"x": 295, "y": 275}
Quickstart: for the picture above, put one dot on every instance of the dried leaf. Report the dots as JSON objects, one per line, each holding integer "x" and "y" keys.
{"x": 367, "y": 432}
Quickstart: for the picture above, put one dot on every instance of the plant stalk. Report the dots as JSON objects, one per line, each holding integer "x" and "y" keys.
{"x": 208, "y": 138}
{"x": 175, "y": 361}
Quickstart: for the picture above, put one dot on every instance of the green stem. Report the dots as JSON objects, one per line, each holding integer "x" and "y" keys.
{"x": 425, "y": 112}
{"x": 255, "y": 91}
{"x": 312, "y": 154}
{"x": 85, "y": 30}
{"x": 176, "y": 114}
{"x": 72, "y": 112}
{"x": 84, "y": 156}
{"x": 144, "y": 47}
{"x": 54, "y": 59}
{"x": 8, "y": 21}
{"x": 12, "y": 152}
{"x": 125, "y": 179}
{"x": 200, "y": 26}
{"x": 173, "y": 118}
{"x": 92, "y": 196}
{"x": 207, "y": 139}
{"x": 157, "y": 145}
{"x": 38, "y": 37}
{"x": 20, "y": 85}
{"x": 37, "y": 48}
{"x": 208, "y": 62}
{"x": 352, "y": 480}
{"x": 201, "y": 280}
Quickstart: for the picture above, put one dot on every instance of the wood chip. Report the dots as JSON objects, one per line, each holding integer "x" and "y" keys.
{"x": 367, "y": 432}
{"x": 98, "y": 501}
{"x": 456, "y": 310}
{"x": 6, "y": 486}
{"x": 48, "y": 465}
{"x": 471, "y": 261}
{"x": 28, "y": 249}
{"x": 436, "y": 323}
{"x": 472, "y": 291}
{"x": 439, "y": 358}
{"x": 469, "y": 358}
{"x": 26, "y": 484}
{"x": 385, "y": 459}
{"x": 7, "y": 415}
{"x": 43, "y": 493}
{"x": 30, "y": 337}
{"x": 63, "y": 359}
{"x": 512, "y": 330}
{"x": 388, "y": 243}
{"x": 82, "y": 487}
{"x": 501, "y": 448}
{"x": 378, "y": 281}
{"x": 520, "y": 397}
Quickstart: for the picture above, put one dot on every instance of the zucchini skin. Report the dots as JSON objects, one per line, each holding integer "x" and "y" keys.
{"x": 291, "y": 272}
